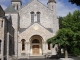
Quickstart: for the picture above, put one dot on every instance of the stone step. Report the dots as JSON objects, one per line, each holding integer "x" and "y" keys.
{"x": 36, "y": 57}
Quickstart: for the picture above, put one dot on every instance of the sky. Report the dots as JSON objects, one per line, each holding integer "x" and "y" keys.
{"x": 63, "y": 7}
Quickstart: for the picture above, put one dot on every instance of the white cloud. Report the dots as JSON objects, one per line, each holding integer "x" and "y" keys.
{"x": 3, "y": 3}
{"x": 63, "y": 10}
{"x": 4, "y": 7}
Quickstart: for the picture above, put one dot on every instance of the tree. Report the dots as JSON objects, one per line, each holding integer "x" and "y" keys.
{"x": 72, "y": 21}
{"x": 69, "y": 33}
{"x": 63, "y": 38}
{"x": 77, "y": 2}
{"x": 60, "y": 22}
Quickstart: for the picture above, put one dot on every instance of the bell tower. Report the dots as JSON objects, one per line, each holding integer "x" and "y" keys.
{"x": 16, "y": 4}
{"x": 51, "y": 4}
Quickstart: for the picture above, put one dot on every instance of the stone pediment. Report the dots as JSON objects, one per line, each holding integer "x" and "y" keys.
{"x": 35, "y": 27}
{"x": 32, "y": 5}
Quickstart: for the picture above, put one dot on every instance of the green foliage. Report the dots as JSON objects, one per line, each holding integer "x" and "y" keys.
{"x": 77, "y": 2}
{"x": 75, "y": 51}
{"x": 72, "y": 21}
{"x": 63, "y": 37}
{"x": 69, "y": 32}
{"x": 60, "y": 22}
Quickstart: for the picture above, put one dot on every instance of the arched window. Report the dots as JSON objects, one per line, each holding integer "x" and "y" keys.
{"x": 0, "y": 46}
{"x": 17, "y": 6}
{"x": 14, "y": 6}
{"x": 49, "y": 46}
{"x": 38, "y": 17}
{"x": 2, "y": 24}
{"x": 23, "y": 44}
{"x": 32, "y": 17}
{"x": 35, "y": 41}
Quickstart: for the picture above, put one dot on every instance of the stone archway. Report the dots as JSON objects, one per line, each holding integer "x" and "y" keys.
{"x": 36, "y": 45}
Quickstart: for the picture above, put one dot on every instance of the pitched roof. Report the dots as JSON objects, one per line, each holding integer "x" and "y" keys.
{"x": 2, "y": 13}
{"x": 51, "y": 1}
{"x": 10, "y": 9}
{"x": 15, "y": 0}
{"x": 23, "y": 29}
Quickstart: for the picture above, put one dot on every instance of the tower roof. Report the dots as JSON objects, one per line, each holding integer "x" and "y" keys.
{"x": 15, "y": 0}
{"x": 51, "y": 1}
{"x": 10, "y": 9}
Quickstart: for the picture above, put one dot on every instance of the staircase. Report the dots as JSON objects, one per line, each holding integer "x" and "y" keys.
{"x": 33, "y": 57}
{"x": 36, "y": 57}
{"x": 12, "y": 58}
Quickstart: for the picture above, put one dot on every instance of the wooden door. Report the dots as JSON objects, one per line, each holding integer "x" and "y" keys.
{"x": 35, "y": 49}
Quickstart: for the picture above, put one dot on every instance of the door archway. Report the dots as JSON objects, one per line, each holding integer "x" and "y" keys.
{"x": 36, "y": 45}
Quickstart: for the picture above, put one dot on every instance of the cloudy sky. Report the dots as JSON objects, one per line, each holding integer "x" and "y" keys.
{"x": 63, "y": 6}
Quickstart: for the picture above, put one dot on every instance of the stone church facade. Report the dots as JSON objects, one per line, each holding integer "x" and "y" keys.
{"x": 33, "y": 24}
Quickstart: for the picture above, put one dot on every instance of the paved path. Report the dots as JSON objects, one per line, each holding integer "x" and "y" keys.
{"x": 75, "y": 58}
{"x": 38, "y": 59}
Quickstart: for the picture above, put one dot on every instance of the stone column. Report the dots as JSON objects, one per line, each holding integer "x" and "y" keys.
{"x": 40, "y": 49}
{"x": 16, "y": 43}
{"x": 2, "y": 44}
{"x": 54, "y": 52}
{"x": 7, "y": 46}
{"x": 28, "y": 49}
{"x": 44, "y": 48}
{"x": 2, "y": 48}
{"x": 19, "y": 49}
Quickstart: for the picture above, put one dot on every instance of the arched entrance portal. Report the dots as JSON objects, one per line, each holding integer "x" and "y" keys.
{"x": 36, "y": 45}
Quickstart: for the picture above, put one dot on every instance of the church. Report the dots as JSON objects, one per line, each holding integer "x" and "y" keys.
{"x": 34, "y": 23}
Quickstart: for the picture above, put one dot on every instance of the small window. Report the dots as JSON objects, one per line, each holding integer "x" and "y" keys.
{"x": 52, "y": 7}
{"x": 2, "y": 24}
{"x": 49, "y": 46}
{"x": 32, "y": 17}
{"x": 23, "y": 44}
{"x": 14, "y": 6}
{"x": 17, "y": 7}
{"x": 38, "y": 17}
{"x": 0, "y": 46}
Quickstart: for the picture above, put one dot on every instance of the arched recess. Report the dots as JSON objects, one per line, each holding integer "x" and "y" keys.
{"x": 32, "y": 16}
{"x": 23, "y": 44}
{"x": 38, "y": 17}
{"x": 0, "y": 46}
{"x": 36, "y": 45}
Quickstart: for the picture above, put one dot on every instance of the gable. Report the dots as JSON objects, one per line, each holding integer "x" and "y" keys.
{"x": 35, "y": 29}
{"x": 36, "y": 26}
{"x": 10, "y": 9}
{"x": 46, "y": 15}
{"x": 2, "y": 13}
{"x": 34, "y": 4}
